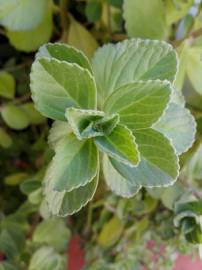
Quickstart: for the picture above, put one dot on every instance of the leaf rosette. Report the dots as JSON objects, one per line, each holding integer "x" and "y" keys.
{"x": 122, "y": 105}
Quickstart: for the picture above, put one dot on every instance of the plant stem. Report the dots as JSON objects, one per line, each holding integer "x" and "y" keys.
{"x": 192, "y": 35}
{"x": 64, "y": 19}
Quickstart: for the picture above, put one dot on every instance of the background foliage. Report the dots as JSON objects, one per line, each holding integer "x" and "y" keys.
{"x": 158, "y": 222}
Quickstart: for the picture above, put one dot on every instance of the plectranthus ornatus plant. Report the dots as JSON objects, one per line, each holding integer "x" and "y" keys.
{"x": 118, "y": 114}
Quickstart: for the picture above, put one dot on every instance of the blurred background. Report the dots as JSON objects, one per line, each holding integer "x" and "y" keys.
{"x": 144, "y": 232}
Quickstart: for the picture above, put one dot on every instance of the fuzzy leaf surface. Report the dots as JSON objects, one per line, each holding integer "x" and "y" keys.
{"x": 67, "y": 203}
{"x": 139, "y": 104}
{"x": 57, "y": 85}
{"x": 179, "y": 126}
{"x": 116, "y": 182}
{"x": 75, "y": 163}
{"x": 158, "y": 161}
{"x": 119, "y": 144}
{"x": 132, "y": 60}
{"x": 64, "y": 52}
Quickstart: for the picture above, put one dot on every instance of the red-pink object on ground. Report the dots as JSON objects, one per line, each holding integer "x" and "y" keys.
{"x": 187, "y": 263}
{"x": 76, "y": 255}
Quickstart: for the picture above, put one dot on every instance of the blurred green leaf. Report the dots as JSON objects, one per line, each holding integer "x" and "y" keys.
{"x": 177, "y": 9}
{"x": 81, "y": 38}
{"x": 110, "y": 232}
{"x": 46, "y": 258}
{"x": 5, "y": 139}
{"x": 7, "y": 85}
{"x": 12, "y": 241}
{"x": 15, "y": 117}
{"x": 31, "y": 40}
{"x": 52, "y": 232}
{"x": 15, "y": 178}
{"x": 93, "y": 10}
{"x": 22, "y": 15}
{"x": 34, "y": 116}
{"x": 145, "y": 19}
{"x": 7, "y": 266}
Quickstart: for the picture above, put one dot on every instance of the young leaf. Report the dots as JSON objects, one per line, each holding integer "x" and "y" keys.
{"x": 159, "y": 165}
{"x": 22, "y": 15}
{"x": 15, "y": 117}
{"x": 138, "y": 15}
{"x": 117, "y": 183}
{"x": 119, "y": 144}
{"x": 81, "y": 38}
{"x": 88, "y": 123}
{"x": 179, "y": 126}
{"x": 57, "y": 85}
{"x": 75, "y": 163}
{"x": 81, "y": 122}
{"x": 139, "y": 104}
{"x": 31, "y": 40}
{"x": 64, "y": 52}
{"x": 67, "y": 203}
{"x": 132, "y": 60}
{"x": 7, "y": 85}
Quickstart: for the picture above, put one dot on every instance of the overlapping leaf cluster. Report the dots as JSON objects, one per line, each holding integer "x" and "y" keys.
{"x": 123, "y": 106}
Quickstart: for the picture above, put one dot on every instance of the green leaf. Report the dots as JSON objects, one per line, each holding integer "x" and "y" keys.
{"x": 30, "y": 185}
{"x": 58, "y": 85}
{"x": 159, "y": 164}
{"x": 31, "y": 40}
{"x": 81, "y": 122}
{"x": 177, "y": 9}
{"x": 193, "y": 168}
{"x": 89, "y": 123}
{"x": 116, "y": 3}
{"x": 35, "y": 197}
{"x": 12, "y": 241}
{"x": 7, "y": 85}
{"x": 119, "y": 144}
{"x": 143, "y": 19}
{"x": 46, "y": 258}
{"x": 7, "y": 266}
{"x": 57, "y": 132}
{"x": 53, "y": 232}
{"x": 22, "y": 15}
{"x": 75, "y": 163}
{"x": 67, "y": 203}
{"x": 34, "y": 116}
{"x": 118, "y": 184}
{"x": 81, "y": 38}
{"x": 64, "y": 52}
{"x": 178, "y": 125}
{"x": 15, "y": 178}
{"x": 139, "y": 104}
{"x": 194, "y": 67}
{"x": 93, "y": 10}
{"x": 110, "y": 233}
{"x": 15, "y": 117}
{"x": 5, "y": 139}
{"x": 132, "y": 60}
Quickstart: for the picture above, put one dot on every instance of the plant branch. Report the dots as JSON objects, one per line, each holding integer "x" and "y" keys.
{"x": 192, "y": 35}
